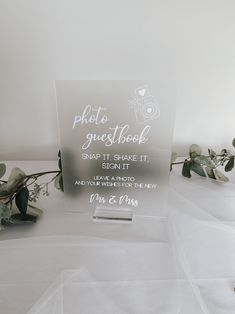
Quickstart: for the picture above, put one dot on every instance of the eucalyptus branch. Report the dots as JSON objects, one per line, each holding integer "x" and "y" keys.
{"x": 16, "y": 189}
{"x": 206, "y": 165}
{"x": 182, "y": 162}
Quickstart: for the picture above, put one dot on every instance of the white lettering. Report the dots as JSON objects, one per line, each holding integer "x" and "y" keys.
{"x": 119, "y": 135}
{"x": 91, "y": 115}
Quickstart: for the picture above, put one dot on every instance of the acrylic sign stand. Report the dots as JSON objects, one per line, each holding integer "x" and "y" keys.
{"x": 115, "y": 145}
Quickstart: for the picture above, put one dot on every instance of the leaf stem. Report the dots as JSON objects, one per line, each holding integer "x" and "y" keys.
{"x": 39, "y": 174}
{"x": 179, "y": 162}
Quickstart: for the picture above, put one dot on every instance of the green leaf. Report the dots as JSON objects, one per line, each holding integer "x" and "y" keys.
{"x": 186, "y": 169}
{"x": 4, "y": 190}
{"x": 16, "y": 175}
{"x": 5, "y": 212}
{"x": 21, "y": 200}
{"x": 195, "y": 150}
{"x": 61, "y": 182}
{"x": 34, "y": 211}
{"x": 8, "y": 222}
{"x": 210, "y": 173}
{"x": 58, "y": 182}
{"x": 223, "y": 151}
{"x": 16, "y": 178}
{"x": 23, "y": 219}
{"x": 205, "y": 161}
{"x": 173, "y": 158}
{"x": 230, "y": 164}
{"x": 60, "y": 164}
{"x": 2, "y": 170}
{"x": 220, "y": 176}
{"x": 233, "y": 142}
{"x": 212, "y": 153}
{"x": 197, "y": 168}
{"x": 59, "y": 160}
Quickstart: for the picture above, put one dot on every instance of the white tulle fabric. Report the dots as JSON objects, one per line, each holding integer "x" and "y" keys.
{"x": 182, "y": 264}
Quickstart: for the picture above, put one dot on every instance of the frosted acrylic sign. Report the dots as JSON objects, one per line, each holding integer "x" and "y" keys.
{"x": 115, "y": 145}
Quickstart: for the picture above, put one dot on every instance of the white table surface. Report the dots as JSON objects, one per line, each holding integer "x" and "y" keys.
{"x": 191, "y": 266}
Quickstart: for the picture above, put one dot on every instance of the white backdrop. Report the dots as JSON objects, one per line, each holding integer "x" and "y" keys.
{"x": 53, "y": 39}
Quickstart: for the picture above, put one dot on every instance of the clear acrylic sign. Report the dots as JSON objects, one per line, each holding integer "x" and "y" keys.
{"x": 115, "y": 145}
